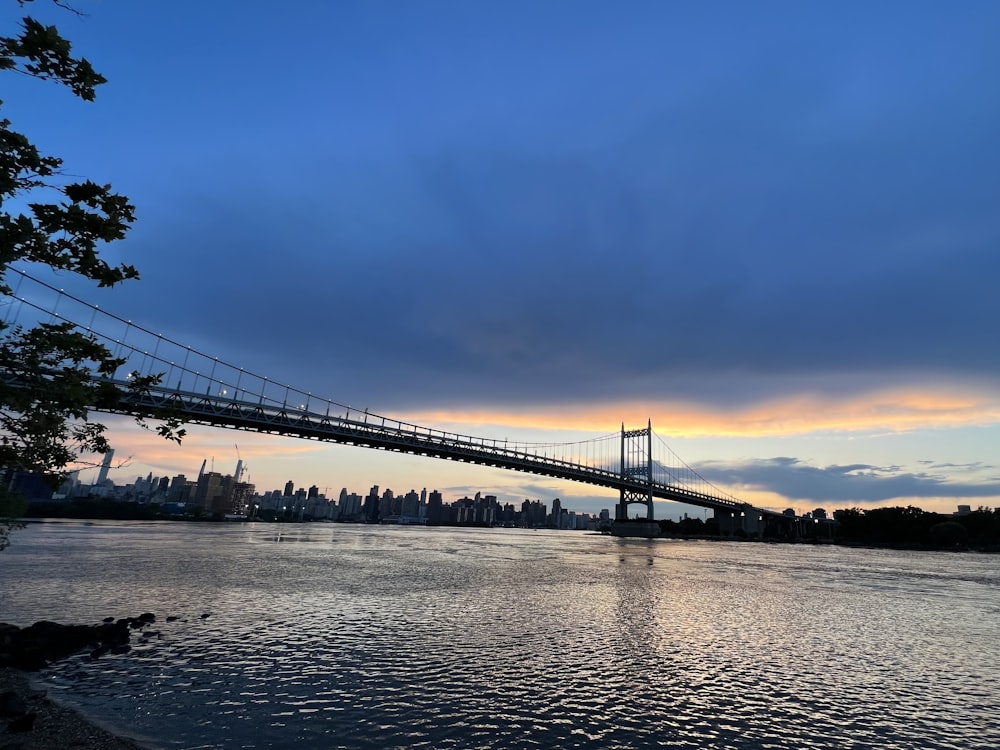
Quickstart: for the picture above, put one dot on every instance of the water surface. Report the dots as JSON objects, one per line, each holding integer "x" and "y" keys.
{"x": 339, "y": 636}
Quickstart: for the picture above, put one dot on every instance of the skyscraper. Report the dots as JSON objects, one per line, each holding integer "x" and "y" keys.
{"x": 102, "y": 475}
{"x": 434, "y": 507}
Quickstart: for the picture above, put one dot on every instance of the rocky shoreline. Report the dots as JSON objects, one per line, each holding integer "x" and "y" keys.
{"x": 53, "y": 727}
{"x": 29, "y": 719}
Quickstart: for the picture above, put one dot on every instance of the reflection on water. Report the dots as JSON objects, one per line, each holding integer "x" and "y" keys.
{"x": 360, "y": 637}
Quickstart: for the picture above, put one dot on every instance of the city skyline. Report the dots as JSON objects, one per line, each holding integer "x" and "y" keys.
{"x": 770, "y": 231}
{"x": 217, "y": 492}
{"x": 122, "y": 476}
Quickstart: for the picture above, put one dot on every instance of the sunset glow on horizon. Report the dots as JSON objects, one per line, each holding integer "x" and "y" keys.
{"x": 896, "y": 411}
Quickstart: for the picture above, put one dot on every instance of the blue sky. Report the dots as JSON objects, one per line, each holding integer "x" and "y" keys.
{"x": 772, "y": 228}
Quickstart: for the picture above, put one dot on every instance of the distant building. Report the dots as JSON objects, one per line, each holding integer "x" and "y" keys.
{"x": 241, "y": 498}
{"x": 102, "y": 475}
{"x": 214, "y": 493}
{"x": 349, "y": 506}
{"x": 434, "y": 507}
{"x": 411, "y": 505}
{"x": 30, "y": 486}
{"x": 370, "y": 508}
{"x": 556, "y": 517}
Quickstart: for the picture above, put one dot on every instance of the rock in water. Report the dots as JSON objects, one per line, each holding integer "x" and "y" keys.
{"x": 11, "y": 704}
{"x": 22, "y": 723}
{"x": 33, "y": 647}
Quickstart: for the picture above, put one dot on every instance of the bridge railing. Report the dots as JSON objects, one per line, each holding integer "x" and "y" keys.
{"x": 192, "y": 376}
{"x": 318, "y": 412}
{"x": 370, "y": 428}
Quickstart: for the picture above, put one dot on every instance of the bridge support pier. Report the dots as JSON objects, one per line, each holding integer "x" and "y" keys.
{"x": 745, "y": 522}
{"x": 637, "y": 484}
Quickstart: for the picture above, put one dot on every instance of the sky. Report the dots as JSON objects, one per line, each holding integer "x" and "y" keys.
{"x": 770, "y": 228}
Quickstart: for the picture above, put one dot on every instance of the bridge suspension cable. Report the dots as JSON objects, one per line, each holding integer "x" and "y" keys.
{"x": 669, "y": 468}
{"x": 210, "y": 390}
{"x": 186, "y": 369}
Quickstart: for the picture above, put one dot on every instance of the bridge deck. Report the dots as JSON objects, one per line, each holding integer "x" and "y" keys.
{"x": 378, "y": 432}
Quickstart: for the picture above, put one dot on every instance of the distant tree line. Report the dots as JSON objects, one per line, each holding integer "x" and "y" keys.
{"x": 908, "y": 527}
{"x": 95, "y": 508}
{"x": 913, "y": 527}
{"x": 694, "y": 527}
{"x": 896, "y": 527}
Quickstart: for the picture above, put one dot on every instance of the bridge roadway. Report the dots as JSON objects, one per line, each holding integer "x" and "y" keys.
{"x": 373, "y": 431}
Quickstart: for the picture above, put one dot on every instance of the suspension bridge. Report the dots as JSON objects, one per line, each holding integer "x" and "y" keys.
{"x": 202, "y": 389}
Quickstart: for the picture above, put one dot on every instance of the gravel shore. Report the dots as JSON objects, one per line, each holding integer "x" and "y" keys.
{"x": 55, "y": 727}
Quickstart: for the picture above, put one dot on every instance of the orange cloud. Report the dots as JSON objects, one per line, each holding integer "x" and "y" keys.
{"x": 890, "y": 410}
{"x": 147, "y": 449}
{"x": 273, "y": 459}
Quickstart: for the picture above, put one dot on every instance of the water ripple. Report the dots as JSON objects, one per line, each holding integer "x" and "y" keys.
{"x": 347, "y": 637}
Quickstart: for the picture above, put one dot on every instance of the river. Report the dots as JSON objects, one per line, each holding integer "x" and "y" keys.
{"x": 340, "y": 636}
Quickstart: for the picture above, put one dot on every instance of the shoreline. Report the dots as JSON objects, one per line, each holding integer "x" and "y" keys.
{"x": 56, "y": 726}
{"x": 31, "y": 719}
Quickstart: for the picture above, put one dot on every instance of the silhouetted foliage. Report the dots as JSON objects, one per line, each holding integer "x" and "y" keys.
{"x": 46, "y": 372}
{"x": 983, "y": 527}
{"x": 12, "y": 506}
{"x": 913, "y": 527}
{"x": 689, "y": 527}
{"x": 948, "y": 534}
{"x": 94, "y": 508}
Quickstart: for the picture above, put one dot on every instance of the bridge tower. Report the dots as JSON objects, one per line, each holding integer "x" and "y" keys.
{"x": 637, "y": 466}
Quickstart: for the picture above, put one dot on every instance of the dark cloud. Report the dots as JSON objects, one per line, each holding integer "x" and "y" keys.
{"x": 853, "y": 483}
{"x": 813, "y": 211}
{"x": 558, "y": 282}
{"x": 969, "y": 467}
